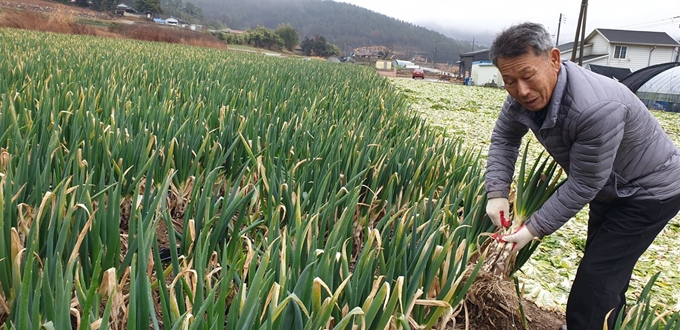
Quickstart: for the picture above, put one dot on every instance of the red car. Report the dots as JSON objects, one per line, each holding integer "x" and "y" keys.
{"x": 418, "y": 73}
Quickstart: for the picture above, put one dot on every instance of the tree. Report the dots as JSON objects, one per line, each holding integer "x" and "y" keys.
{"x": 150, "y": 6}
{"x": 332, "y": 50}
{"x": 289, "y": 35}
{"x": 318, "y": 46}
{"x": 172, "y": 5}
{"x": 192, "y": 10}
{"x": 186, "y": 11}
{"x": 104, "y": 5}
{"x": 262, "y": 37}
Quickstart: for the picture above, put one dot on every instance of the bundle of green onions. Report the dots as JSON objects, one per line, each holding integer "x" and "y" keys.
{"x": 531, "y": 190}
{"x": 493, "y": 294}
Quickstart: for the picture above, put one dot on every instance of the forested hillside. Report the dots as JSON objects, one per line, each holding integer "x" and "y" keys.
{"x": 347, "y": 26}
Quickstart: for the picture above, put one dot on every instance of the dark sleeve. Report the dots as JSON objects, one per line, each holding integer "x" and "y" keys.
{"x": 505, "y": 142}
{"x": 598, "y": 133}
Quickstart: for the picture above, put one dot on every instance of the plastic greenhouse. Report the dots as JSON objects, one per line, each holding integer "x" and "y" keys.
{"x": 658, "y": 86}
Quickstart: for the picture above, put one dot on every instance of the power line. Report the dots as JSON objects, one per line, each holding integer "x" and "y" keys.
{"x": 653, "y": 23}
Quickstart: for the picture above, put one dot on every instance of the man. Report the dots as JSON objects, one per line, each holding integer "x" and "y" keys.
{"x": 616, "y": 156}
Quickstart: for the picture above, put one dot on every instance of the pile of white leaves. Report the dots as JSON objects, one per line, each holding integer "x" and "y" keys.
{"x": 469, "y": 112}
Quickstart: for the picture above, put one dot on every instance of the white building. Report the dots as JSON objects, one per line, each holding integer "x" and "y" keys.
{"x": 632, "y": 50}
{"x": 172, "y": 21}
{"x": 406, "y": 64}
{"x": 484, "y": 72}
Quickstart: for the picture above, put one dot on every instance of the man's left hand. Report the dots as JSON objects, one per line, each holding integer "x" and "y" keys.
{"x": 520, "y": 237}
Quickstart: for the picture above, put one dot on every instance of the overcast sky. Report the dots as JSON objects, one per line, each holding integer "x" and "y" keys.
{"x": 488, "y": 17}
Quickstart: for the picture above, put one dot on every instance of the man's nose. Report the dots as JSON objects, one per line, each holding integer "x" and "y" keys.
{"x": 522, "y": 88}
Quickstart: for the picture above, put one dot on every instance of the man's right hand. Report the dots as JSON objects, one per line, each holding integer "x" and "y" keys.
{"x": 498, "y": 211}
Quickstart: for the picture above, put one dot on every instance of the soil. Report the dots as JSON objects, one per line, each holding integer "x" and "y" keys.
{"x": 492, "y": 303}
{"x": 538, "y": 318}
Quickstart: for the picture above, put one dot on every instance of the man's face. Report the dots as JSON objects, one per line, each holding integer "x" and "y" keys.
{"x": 530, "y": 79}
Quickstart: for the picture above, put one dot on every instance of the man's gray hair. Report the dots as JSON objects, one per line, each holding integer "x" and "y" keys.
{"x": 516, "y": 41}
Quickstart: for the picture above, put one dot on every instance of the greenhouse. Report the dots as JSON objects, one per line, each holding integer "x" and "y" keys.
{"x": 658, "y": 86}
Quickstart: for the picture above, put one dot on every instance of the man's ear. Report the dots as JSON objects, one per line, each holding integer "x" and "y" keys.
{"x": 555, "y": 59}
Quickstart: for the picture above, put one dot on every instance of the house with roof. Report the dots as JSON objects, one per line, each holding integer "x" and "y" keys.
{"x": 172, "y": 21}
{"x": 372, "y": 52}
{"x": 126, "y": 8}
{"x": 625, "y": 49}
{"x": 466, "y": 60}
{"x": 477, "y": 68}
{"x": 123, "y": 8}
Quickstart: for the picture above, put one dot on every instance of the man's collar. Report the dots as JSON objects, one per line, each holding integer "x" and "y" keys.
{"x": 556, "y": 98}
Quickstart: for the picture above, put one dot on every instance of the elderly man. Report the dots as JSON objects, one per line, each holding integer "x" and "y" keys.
{"x": 616, "y": 156}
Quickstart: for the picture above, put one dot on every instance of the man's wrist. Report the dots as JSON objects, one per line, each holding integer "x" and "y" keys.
{"x": 497, "y": 194}
{"x": 530, "y": 227}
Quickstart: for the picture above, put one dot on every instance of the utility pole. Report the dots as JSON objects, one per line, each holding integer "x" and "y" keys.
{"x": 580, "y": 28}
{"x": 563, "y": 19}
{"x": 473, "y": 44}
{"x": 583, "y": 33}
{"x": 677, "y": 50}
{"x": 434, "y": 58}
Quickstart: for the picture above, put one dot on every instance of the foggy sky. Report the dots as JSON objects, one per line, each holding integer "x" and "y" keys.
{"x": 486, "y": 18}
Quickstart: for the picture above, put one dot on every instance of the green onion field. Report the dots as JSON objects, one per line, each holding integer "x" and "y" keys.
{"x": 149, "y": 185}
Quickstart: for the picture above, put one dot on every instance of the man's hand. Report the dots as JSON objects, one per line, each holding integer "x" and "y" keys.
{"x": 498, "y": 211}
{"x": 520, "y": 237}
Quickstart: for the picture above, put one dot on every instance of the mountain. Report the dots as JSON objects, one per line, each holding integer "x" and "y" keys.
{"x": 345, "y": 25}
